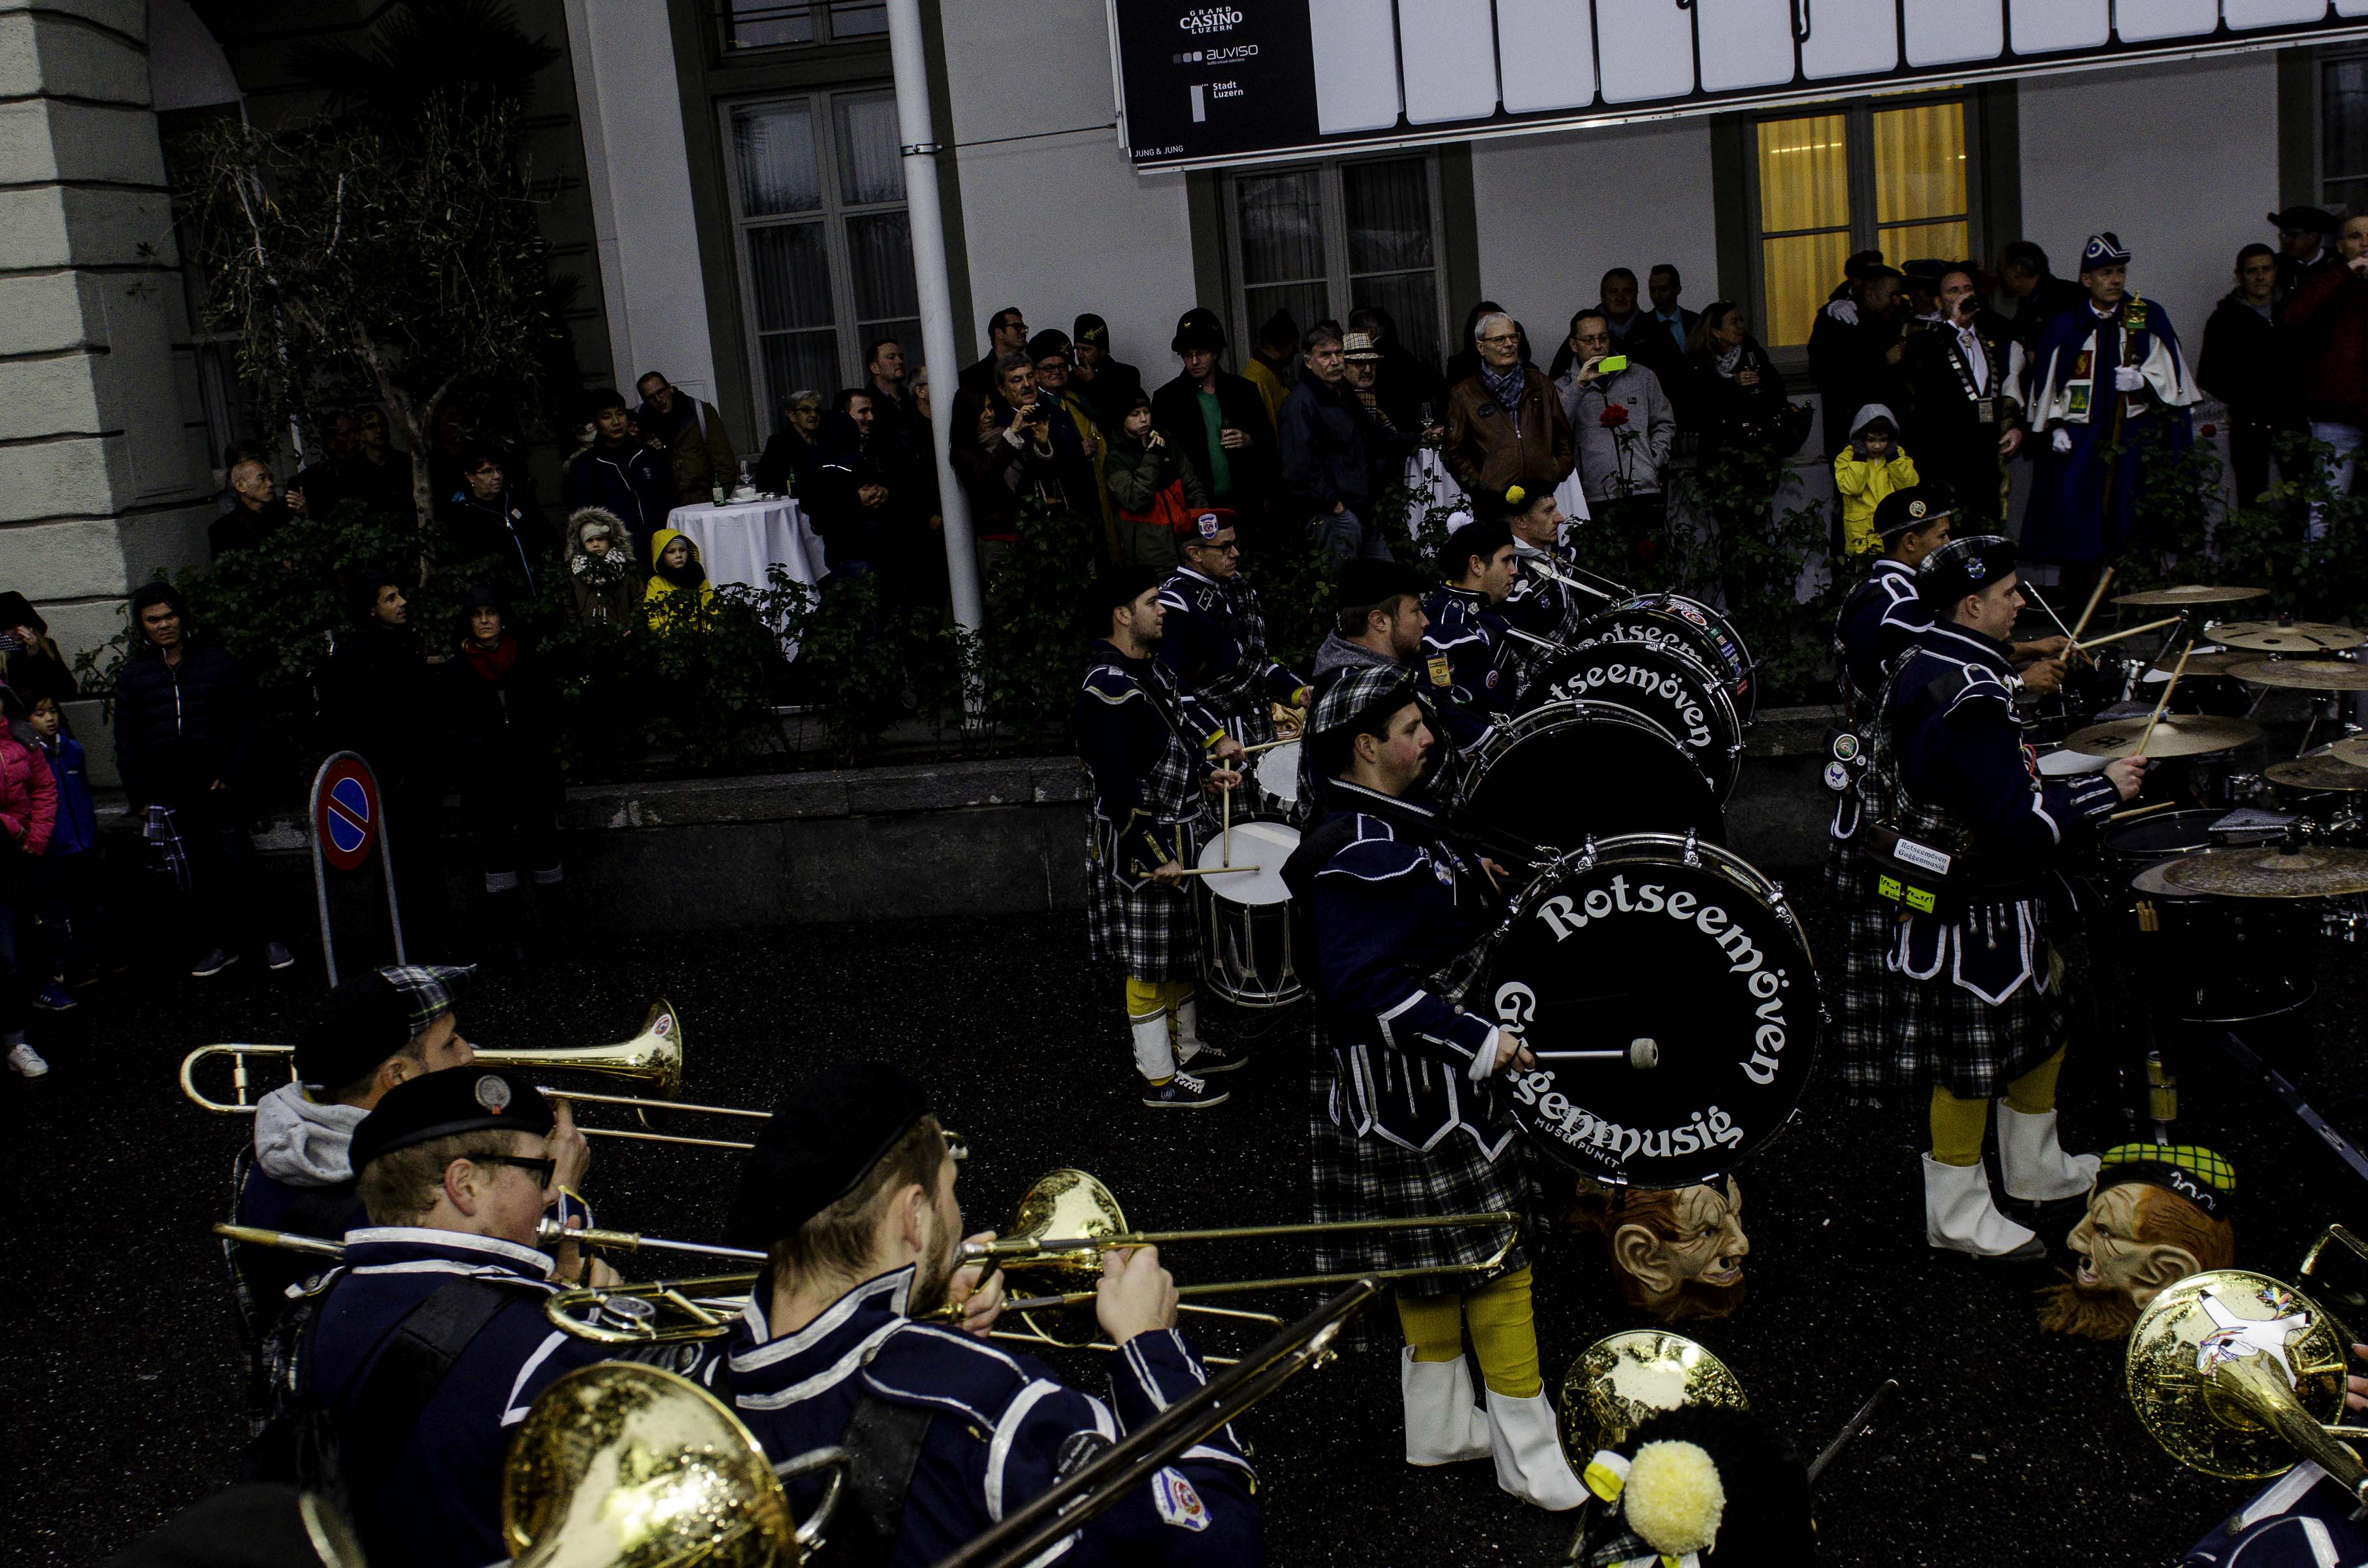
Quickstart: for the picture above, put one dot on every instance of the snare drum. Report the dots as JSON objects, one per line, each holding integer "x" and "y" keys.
{"x": 1654, "y": 939}
{"x": 1246, "y": 947}
{"x": 1663, "y": 618}
{"x": 1567, "y": 771}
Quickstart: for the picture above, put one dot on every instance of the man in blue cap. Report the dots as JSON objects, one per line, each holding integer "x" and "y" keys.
{"x": 1972, "y": 1002}
{"x": 2108, "y": 385}
{"x": 419, "y": 1353}
{"x": 851, "y": 1192}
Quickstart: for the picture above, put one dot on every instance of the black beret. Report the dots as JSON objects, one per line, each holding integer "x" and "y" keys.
{"x": 444, "y": 1105}
{"x": 1113, "y": 586}
{"x": 1914, "y": 508}
{"x": 370, "y": 1016}
{"x": 820, "y": 1144}
{"x": 1197, "y": 328}
{"x": 1048, "y": 343}
{"x": 1364, "y": 584}
{"x": 1091, "y": 328}
{"x": 1962, "y": 566}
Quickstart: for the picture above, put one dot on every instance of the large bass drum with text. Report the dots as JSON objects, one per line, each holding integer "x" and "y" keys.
{"x": 1663, "y": 619}
{"x": 1567, "y": 771}
{"x": 1667, "y": 681}
{"x": 1654, "y": 939}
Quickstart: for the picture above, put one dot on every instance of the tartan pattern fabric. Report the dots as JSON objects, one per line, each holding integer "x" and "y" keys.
{"x": 1941, "y": 1033}
{"x": 166, "y": 853}
{"x": 1370, "y": 1178}
{"x": 2206, "y": 1166}
{"x": 426, "y": 988}
{"x": 1237, "y": 698}
{"x": 1867, "y": 931}
{"x": 1147, "y": 930}
{"x": 1356, "y": 690}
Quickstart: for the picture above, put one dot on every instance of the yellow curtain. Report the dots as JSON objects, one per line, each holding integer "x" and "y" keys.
{"x": 1907, "y": 241}
{"x": 1919, "y": 162}
{"x": 1803, "y": 174}
{"x": 1798, "y": 271}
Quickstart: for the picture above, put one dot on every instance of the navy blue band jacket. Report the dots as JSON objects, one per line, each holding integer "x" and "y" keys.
{"x": 1144, "y": 740}
{"x": 1215, "y": 643}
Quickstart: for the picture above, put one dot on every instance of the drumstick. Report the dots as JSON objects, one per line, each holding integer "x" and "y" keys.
{"x": 2156, "y": 717}
{"x": 1268, "y": 746}
{"x": 2031, "y": 592}
{"x": 2103, "y": 583}
{"x": 1227, "y": 858}
{"x": 2133, "y": 632}
{"x": 1219, "y": 870}
{"x": 2142, "y": 811}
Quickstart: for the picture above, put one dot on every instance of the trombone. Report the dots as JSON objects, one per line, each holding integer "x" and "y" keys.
{"x": 651, "y": 1058}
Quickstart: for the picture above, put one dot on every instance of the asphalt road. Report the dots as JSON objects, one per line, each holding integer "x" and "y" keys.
{"x": 116, "y": 1349}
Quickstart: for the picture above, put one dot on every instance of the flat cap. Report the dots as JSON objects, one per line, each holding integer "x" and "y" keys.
{"x": 447, "y": 1104}
{"x": 1962, "y": 566}
{"x": 370, "y": 1016}
{"x": 822, "y": 1141}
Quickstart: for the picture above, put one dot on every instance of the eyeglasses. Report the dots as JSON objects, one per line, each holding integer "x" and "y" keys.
{"x": 1502, "y": 337}
{"x": 544, "y": 1169}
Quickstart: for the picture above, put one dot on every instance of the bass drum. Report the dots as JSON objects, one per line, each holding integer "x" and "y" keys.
{"x": 1654, "y": 939}
{"x": 1666, "y": 683}
{"x": 1662, "y": 619}
{"x": 1567, "y": 771}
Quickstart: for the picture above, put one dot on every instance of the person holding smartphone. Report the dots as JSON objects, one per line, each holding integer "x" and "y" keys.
{"x": 1963, "y": 416}
{"x": 1623, "y": 425}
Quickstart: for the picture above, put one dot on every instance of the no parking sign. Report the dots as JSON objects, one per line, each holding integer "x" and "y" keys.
{"x": 345, "y": 811}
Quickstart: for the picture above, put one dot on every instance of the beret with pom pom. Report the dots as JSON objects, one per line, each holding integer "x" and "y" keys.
{"x": 1674, "y": 1498}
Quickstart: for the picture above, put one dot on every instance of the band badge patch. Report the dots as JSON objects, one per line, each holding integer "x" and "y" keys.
{"x": 1179, "y": 1505}
{"x": 1491, "y": 680}
{"x": 1207, "y": 524}
{"x": 1438, "y": 675}
{"x": 493, "y": 1094}
{"x": 1838, "y": 777}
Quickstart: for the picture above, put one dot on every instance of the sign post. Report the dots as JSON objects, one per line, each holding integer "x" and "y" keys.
{"x": 349, "y": 820}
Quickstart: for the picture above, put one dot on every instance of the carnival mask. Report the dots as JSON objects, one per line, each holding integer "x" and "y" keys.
{"x": 2136, "y": 1238}
{"x": 1676, "y": 1255}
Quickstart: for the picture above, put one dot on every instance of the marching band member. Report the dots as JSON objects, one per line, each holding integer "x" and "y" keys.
{"x": 1149, "y": 747}
{"x": 375, "y": 1032}
{"x": 1407, "y": 1121}
{"x": 850, "y": 1191}
{"x": 1467, "y": 651}
{"x": 1539, "y": 605}
{"x": 1214, "y": 640}
{"x": 1974, "y": 1002}
{"x": 1378, "y": 625}
{"x": 429, "y": 1341}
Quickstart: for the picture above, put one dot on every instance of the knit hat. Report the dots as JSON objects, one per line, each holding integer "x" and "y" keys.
{"x": 1199, "y": 328}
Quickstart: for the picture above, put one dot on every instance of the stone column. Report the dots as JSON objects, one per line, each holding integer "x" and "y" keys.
{"x": 104, "y": 471}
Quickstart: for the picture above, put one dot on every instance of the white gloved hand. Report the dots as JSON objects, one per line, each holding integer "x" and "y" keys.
{"x": 2128, "y": 378}
{"x": 2062, "y": 441}
{"x": 1844, "y": 312}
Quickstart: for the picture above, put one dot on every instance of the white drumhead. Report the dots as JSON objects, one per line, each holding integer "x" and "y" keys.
{"x": 2158, "y": 676}
{"x": 1278, "y": 771}
{"x": 1266, "y": 845}
{"x": 2061, "y": 764}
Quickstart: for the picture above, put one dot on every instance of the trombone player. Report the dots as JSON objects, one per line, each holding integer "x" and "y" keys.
{"x": 851, "y": 1192}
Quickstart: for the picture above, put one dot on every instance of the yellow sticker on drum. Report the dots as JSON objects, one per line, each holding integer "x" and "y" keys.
{"x": 1438, "y": 675}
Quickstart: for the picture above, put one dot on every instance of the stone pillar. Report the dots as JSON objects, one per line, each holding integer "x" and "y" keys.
{"x": 103, "y": 472}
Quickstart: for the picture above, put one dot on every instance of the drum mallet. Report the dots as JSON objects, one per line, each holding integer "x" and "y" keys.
{"x": 2071, "y": 645}
{"x": 1640, "y": 1053}
{"x": 2133, "y": 632}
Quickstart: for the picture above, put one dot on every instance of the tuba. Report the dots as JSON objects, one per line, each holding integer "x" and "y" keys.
{"x": 2238, "y": 1375}
{"x": 1624, "y": 1379}
{"x": 621, "y": 1465}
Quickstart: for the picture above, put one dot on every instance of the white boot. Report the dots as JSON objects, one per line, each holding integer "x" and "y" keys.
{"x": 1191, "y": 1051}
{"x": 1529, "y": 1460}
{"x": 1154, "y": 1058}
{"x": 1959, "y": 1215}
{"x": 1443, "y": 1425}
{"x": 2032, "y": 1162}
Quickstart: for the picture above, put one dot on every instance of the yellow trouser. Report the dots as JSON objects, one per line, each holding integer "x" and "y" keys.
{"x": 1504, "y": 1332}
{"x": 1958, "y": 1125}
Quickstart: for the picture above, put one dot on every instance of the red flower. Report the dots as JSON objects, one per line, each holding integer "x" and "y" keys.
{"x": 1614, "y": 415}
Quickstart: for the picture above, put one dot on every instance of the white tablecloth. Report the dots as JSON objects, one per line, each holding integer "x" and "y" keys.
{"x": 739, "y": 543}
{"x": 1428, "y": 477}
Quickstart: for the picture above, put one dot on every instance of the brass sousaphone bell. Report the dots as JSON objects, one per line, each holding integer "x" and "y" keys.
{"x": 621, "y": 1465}
{"x": 1622, "y": 1380}
{"x": 2239, "y": 1375}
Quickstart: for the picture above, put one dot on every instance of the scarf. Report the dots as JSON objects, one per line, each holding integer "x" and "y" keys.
{"x": 1731, "y": 361}
{"x": 491, "y": 664}
{"x": 1506, "y": 388}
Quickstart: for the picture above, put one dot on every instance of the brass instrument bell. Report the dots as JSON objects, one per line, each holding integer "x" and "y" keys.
{"x": 1065, "y": 1202}
{"x": 621, "y": 1465}
{"x": 1622, "y": 1379}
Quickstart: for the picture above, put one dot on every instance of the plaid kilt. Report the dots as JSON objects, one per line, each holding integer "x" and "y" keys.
{"x": 1151, "y": 932}
{"x": 1868, "y": 926}
{"x": 1371, "y": 1178}
{"x": 1942, "y": 1033}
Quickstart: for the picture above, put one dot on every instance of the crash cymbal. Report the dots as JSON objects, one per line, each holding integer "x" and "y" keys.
{"x": 2350, "y": 748}
{"x": 2215, "y": 663}
{"x": 2319, "y": 770}
{"x": 2292, "y": 637}
{"x": 2191, "y": 594}
{"x": 2265, "y": 870}
{"x": 2176, "y": 735}
{"x": 2304, "y": 675}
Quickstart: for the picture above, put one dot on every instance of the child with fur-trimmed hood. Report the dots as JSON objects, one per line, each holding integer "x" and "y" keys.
{"x": 601, "y": 577}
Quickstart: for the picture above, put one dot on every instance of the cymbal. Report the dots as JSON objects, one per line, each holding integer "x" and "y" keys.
{"x": 2264, "y": 870}
{"x": 2304, "y": 674}
{"x": 2297, "y": 637}
{"x": 2320, "y": 770}
{"x": 2191, "y": 594}
{"x": 2214, "y": 664}
{"x": 2350, "y": 748}
{"x": 2177, "y": 734}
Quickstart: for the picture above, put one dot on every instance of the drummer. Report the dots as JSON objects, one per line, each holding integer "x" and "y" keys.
{"x": 1379, "y": 626}
{"x": 1467, "y": 648}
{"x": 1154, "y": 753}
{"x": 1974, "y": 1002}
{"x": 1879, "y": 620}
{"x": 1406, "y": 1119}
{"x": 1215, "y": 638}
{"x": 1538, "y": 603}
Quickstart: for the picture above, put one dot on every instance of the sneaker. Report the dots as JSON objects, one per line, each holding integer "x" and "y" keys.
{"x": 1183, "y": 1091}
{"x": 276, "y": 956}
{"x": 54, "y": 998}
{"x": 1212, "y": 1059}
{"x": 215, "y": 963}
{"x": 26, "y": 1060}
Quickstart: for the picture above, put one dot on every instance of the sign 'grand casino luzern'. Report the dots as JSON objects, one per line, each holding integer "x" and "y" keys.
{"x": 1202, "y": 85}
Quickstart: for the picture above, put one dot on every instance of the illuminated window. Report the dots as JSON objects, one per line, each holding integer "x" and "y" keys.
{"x": 1853, "y": 178}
